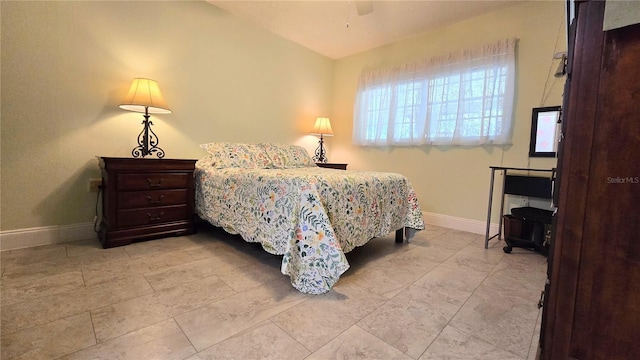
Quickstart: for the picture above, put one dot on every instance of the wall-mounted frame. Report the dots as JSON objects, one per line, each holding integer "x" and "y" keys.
{"x": 544, "y": 125}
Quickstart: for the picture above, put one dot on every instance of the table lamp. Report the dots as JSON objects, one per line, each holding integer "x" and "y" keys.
{"x": 322, "y": 127}
{"x": 145, "y": 96}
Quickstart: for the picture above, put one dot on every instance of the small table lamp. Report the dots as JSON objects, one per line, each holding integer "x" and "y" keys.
{"x": 145, "y": 96}
{"x": 321, "y": 127}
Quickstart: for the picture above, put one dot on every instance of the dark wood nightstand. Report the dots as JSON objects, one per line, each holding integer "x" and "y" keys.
{"x": 145, "y": 199}
{"x": 333, "y": 166}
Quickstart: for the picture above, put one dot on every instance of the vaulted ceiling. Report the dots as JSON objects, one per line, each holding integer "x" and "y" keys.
{"x": 339, "y": 28}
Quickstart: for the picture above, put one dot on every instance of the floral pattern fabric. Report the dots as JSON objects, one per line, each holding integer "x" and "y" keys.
{"x": 288, "y": 156}
{"x": 256, "y": 156}
{"x": 312, "y": 216}
{"x": 240, "y": 155}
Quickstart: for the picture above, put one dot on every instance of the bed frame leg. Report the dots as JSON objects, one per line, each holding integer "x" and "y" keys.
{"x": 400, "y": 235}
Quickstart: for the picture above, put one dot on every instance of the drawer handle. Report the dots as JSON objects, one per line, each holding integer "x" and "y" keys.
{"x": 155, "y": 201}
{"x": 152, "y": 184}
{"x": 151, "y": 218}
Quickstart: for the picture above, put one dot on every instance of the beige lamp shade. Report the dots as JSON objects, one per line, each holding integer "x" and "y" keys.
{"x": 145, "y": 94}
{"x": 322, "y": 127}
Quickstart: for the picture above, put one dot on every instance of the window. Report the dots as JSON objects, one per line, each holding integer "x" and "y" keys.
{"x": 458, "y": 99}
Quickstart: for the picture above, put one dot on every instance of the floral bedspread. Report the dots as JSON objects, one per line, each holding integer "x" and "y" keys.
{"x": 312, "y": 216}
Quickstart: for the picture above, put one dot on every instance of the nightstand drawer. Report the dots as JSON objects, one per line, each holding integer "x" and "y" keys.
{"x": 143, "y": 199}
{"x": 146, "y": 199}
{"x": 152, "y": 181}
{"x": 150, "y": 216}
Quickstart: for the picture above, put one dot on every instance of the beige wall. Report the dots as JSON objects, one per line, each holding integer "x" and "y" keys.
{"x": 66, "y": 66}
{"x": 455, "y": 181}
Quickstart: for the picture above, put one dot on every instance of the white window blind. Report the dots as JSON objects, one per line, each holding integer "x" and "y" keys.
{"x": 464, "y": 98}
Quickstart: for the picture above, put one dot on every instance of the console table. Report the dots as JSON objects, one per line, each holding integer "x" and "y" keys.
{"x": 518, "y": 184}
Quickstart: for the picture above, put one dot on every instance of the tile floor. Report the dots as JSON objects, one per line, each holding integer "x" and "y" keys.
{"x": 213, "y": 296}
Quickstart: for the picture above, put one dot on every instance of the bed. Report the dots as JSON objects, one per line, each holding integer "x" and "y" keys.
{"x": 275, "y": 195}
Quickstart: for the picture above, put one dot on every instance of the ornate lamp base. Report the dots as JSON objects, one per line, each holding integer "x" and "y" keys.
{"x": 147, "y": 141}
{"x": 320, "y": 154}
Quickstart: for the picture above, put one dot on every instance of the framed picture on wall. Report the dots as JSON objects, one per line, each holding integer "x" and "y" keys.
{"x": 544, "y": 129}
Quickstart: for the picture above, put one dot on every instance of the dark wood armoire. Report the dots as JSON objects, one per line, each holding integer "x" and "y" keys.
{"x": 592, "y": 305}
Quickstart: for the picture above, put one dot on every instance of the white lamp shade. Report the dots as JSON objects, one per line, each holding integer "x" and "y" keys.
{"x": 145, "y": 93}
{"x": 322, "y": 127}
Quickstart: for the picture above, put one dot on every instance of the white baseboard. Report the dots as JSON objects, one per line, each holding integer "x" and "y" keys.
{"x": 458, "y": 223}
{"x": 23, "y": 238}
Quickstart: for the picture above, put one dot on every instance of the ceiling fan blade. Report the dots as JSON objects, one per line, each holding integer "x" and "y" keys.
{"x": 364, "y": 7}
